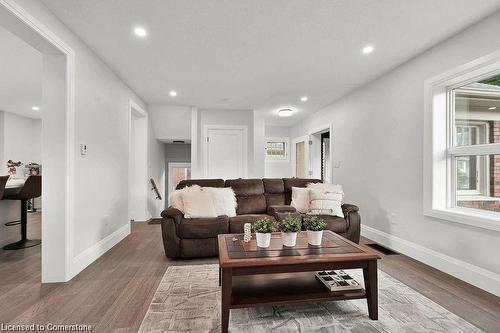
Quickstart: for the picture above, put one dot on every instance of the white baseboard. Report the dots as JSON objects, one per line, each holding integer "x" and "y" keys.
{"x": 81, "y": 261}
{"x": 477, "y": 276}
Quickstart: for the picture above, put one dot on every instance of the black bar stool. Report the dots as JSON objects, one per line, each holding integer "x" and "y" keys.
{"x": 32, "y": 188}
{"x": 3, "y": 182}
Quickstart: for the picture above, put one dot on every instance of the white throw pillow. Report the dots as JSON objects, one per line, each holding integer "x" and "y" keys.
{"x": 325, "y": 199}
{"x": 224, "y": 200}
{"x": 326, "y": 187}
{"x": 176, "y": 196}
{"x": 300, "y": 199}
{"x": 198, "y": 204}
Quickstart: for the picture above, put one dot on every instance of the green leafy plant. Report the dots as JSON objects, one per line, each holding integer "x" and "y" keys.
{"x": 263, "y": 226}
{"x": 289, "y": 224}
{"x": 314, "y": 223}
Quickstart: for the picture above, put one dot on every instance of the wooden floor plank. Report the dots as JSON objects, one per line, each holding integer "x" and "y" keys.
{"x": 113, "y": 293}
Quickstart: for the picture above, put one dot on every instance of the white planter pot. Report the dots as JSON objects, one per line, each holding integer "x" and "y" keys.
{"x": 314, "y": 237}
{"x": 289, "y": 238}
{"x": 263, "y": 240}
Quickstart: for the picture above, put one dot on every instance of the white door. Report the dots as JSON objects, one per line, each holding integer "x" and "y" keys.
{"x": 225, "y": 152}
{"x": 301, "y": 160}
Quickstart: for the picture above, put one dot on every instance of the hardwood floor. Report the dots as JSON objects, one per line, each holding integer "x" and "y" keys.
{"x": 114, "y": 292}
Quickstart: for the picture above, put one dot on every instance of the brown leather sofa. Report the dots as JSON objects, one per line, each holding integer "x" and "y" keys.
{"x": 256, "y": 199}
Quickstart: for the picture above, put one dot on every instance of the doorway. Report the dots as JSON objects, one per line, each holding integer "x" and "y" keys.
{"x": 300, "y": 157}
{"x": 138, "y": 163}
{"x": 312, "y": 155}
{"x": 57, "y": 140}
{"x": 320, "y": 155}
{"x": 177, "y": 172}
{"x": 225, "y": 151}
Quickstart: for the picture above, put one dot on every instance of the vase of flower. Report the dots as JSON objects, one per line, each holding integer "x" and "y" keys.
{"x": 314, "y": 226}
{"x": 289, "y": 227}
{"x": 263, "y": 229}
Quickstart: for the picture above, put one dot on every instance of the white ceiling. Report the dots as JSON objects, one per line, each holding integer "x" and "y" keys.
{"x": 20, "y": 76}
{"x": 261, "y": 54}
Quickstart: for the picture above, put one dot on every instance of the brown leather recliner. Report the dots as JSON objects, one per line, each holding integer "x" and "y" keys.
{"x": 256, "y": 199}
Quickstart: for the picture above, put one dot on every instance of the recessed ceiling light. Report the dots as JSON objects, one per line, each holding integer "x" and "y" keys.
{"x": 492, "y": 108}
{"x": 173, "y": 93}
{"x": 140, "y": 32}
{"x": 35, "y": 108}
{"x": 304, "y": 99}
{"x": 285, "y": 112}
{"x": 368, "y": 49}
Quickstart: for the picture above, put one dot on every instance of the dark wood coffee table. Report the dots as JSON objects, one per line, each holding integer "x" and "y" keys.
{"x": 251, "y": 276}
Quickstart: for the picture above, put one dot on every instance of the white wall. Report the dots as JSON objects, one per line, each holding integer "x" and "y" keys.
{"x": 22, "y": 139}
{"x": 278, "y": 169}
{"x": 378, "y": 139}
{"x": 101, "y": 122}
{"x": 171, "y": 122}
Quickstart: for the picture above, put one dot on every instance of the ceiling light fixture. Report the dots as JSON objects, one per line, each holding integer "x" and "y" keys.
{"x": 140, "y": 32}
{"x": 35, "y": 108}
{"x": 368, "y": 49}
{"x": 285, "y": 112}
{"x": 304, "y": 99}
{"x": 173, "y": 93}
{"x": 492, "y": 108}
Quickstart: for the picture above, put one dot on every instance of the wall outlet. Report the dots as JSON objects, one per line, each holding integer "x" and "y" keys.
{"x": 336, "y": 164}
{"x": 83, "y": 149}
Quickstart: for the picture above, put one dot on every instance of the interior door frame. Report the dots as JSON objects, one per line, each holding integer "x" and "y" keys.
{"x": 242, "y": 128}
{"x": 170, "y": 166}
{"x": 325, "y": 128}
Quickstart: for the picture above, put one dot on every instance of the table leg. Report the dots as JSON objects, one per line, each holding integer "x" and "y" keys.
{"x": 220, "y": 274}
{"x": 227, "y": 286}
{"x": 371, "y": 286}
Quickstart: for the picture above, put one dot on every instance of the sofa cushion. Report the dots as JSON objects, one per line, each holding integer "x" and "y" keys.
{"x": 203, "y": 227}
{"x": 273, "y": 185}
{"x": 249, "y": 195}
{"x": 200, "y": 182}
{"x": 333, "y": 223}
{"x": 236, "y": 223}
{"x": 251, "y": 205}
{"x": 274, "y": 191}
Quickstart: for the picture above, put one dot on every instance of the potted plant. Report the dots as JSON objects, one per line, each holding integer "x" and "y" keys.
{"x": 263, "y": 229}
{"x": 289, "y": 226}
{"x": 314, "y": 226}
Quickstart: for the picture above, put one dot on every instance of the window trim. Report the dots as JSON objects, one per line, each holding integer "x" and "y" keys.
{"x": 286, "y": 141}
{"x": 438, "y": 185}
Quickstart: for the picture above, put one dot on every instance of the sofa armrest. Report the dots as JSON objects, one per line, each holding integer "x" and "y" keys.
{"x": 172, "y": 213}
{"x": 353, "y": 219}
{"x": 348, "y": 208}
{"x": 272, "y": 210}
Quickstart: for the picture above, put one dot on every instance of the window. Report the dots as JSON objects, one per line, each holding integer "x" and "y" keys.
{"x": 475, "y": 113}
{"x": 462, "y": 144}
{"x": 277, "y": 149}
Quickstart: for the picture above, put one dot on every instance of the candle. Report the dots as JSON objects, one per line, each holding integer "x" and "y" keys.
{"x": 247, "y": 230}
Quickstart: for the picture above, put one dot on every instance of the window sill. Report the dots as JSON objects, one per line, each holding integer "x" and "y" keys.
{"x": 467, "y": 216}
{"x": 476, "y": 198}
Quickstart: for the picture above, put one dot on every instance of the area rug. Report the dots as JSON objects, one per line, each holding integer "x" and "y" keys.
{"x": 188, "y": 300}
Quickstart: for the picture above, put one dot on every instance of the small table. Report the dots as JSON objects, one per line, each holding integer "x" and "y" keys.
{"x": 251, "y": 276}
